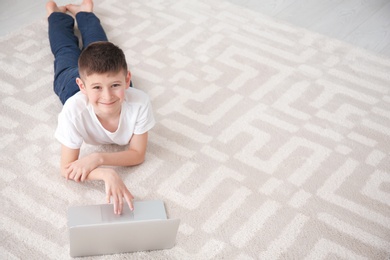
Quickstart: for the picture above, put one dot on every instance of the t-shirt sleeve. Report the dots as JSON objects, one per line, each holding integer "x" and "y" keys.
{"x": 66, "y": 132}
{"x": 145, "y": 119}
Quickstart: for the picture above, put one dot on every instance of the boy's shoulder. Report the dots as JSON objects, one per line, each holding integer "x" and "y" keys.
{"x": 78, "y": 98}
{"x": 76, "y": 104}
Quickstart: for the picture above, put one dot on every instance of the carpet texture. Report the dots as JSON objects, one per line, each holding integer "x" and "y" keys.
{"x": 271, "y": 142}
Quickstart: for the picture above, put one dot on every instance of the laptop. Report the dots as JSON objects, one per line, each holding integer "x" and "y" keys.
{"x": 96, "y": 230}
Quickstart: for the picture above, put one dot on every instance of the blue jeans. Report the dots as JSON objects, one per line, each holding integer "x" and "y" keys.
{"x": 65, "y": 47}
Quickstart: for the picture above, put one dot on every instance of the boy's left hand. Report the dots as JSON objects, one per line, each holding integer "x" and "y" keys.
{"x": 79, "y": 169}
{"x": 116, "y": 189}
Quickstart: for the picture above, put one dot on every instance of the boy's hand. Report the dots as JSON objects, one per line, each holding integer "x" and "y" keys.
{"x": 116, "y": 189}
{"x": 79, "y": 169}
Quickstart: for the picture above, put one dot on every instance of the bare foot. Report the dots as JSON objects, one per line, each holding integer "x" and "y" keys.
{"x": 85, "y": 6}
{"x": 52, "y": 7}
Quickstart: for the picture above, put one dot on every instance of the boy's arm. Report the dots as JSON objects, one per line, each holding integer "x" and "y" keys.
{"x": 134, "y": 155}
{"x": 68, "y": 156}
{"x": 115, "y": 187}
{"x": 78, "y": 169}
{"x": 74, "y": 168}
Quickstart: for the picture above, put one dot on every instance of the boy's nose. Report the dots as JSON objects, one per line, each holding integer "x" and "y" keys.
{"x": 107, "y": 95}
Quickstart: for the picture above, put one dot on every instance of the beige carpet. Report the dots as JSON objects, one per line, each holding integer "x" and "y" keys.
{"x": 272, "y": 142}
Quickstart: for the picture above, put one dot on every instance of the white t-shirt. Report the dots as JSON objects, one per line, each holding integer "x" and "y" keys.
{"x": 78, "y": 123}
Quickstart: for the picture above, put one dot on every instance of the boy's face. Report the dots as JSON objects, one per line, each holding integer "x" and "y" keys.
{"x": 105, "y": 92}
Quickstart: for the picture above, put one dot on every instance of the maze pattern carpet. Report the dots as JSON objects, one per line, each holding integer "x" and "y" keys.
{"x": 271, "y": 142}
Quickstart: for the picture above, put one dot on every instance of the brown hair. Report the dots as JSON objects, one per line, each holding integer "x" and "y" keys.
{"x": 101, "y": 57}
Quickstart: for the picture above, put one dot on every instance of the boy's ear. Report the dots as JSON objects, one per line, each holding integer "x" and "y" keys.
{"x": 81, "y": 85}
{"x": 128, "y": 78}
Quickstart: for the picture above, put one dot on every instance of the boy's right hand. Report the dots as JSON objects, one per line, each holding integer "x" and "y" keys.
{"x": 78, "y": 170}
{"x": 116, "y": 189}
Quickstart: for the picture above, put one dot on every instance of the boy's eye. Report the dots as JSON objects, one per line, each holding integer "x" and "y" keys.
{"x": 116, "y": 85}
{"x": 96, "y": 87}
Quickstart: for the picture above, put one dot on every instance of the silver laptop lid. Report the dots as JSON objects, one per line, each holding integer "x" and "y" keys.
{"x": 96, "y": 230}
{"x": 123, "y": 237}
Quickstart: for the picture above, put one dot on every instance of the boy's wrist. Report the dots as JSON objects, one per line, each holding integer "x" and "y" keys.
{"x": 108, "y": 174}
{"x": 98, "y": 158}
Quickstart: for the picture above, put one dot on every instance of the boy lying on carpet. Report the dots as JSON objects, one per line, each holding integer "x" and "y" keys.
{"x": 99, "y": 106}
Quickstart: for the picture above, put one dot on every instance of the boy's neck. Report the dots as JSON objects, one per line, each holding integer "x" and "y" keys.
{"x": 109, "y": 122}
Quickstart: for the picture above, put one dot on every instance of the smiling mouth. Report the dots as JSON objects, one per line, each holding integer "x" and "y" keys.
{"x": 107, "y": 103}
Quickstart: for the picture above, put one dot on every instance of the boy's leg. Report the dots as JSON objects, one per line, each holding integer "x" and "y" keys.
{"x": 90, "y": 28}
{"x": 65, "y": 47}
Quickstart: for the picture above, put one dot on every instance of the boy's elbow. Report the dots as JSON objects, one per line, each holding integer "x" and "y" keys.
{"x": 140, "y": 159}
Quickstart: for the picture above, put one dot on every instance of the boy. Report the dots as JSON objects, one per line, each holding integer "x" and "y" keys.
{"x": 99, "y": 106}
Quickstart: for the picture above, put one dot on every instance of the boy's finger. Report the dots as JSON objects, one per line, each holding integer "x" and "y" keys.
{"x": 120, "y": 205}
{"x": 71, "y": 175}
{"x": 131, "y": 195}
{"x": 77, "y": 176}
{"x": 84, "y": 175}
{"x": 108, "y": 193}
{"x": 115, "y": 204}
{"x": 67, "y": 173}
{"x": 129, "y": 199}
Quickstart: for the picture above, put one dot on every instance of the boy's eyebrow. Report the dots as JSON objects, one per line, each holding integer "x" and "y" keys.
{"x": 98, "y": 83}
{"x": 115, "y": 81}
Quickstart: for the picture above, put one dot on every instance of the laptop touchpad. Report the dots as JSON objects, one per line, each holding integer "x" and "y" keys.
{"x": 108, "y": 215}
{"x": 84, "y": 216}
